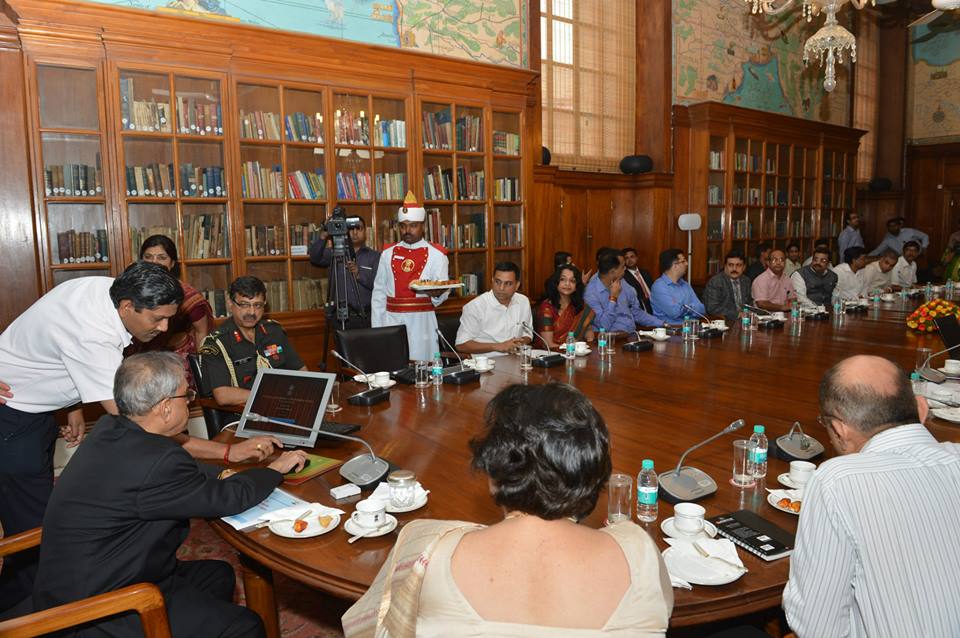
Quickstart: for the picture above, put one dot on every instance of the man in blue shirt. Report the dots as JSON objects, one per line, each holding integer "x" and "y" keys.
{"x": 671, "y": 293}
{"x": 615, "y": 305}
{"x": 897, "y": 235}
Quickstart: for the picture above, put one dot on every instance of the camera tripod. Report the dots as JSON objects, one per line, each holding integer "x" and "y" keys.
{"x": 337, "y": 309}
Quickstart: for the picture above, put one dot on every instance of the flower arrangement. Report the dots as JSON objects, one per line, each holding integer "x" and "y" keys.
{"x": 922, "y": 318}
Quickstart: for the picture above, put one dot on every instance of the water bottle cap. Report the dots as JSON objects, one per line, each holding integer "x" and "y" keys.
{"x": 603, "y": 329}
{"x": 758, "y": 429}
{"x": 436, "y": 354}
{"x": 914, "y": 376}
{"x": 647, "y": 464}
{"x": 570, "y": 334}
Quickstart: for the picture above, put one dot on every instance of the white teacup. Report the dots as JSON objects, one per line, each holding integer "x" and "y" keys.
{"x": 952, "y": 365}
{"x": 688, "y": 518}
{"x": 659, "y": 333}
{"x": 481, "y": 362}
{"x": 801, "y": 471}
{"x": 778, "y": 316}
{"x": 370, "y": 513}
{"x": 888, "y": 296}
{"x": 581, "y": 347}
{"x": 720, "y": 324}
{"x": 381, "y": 379}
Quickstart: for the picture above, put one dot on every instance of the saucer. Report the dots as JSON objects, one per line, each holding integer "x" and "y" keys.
{"x": 468, "y": 363}
{"x": 388, "y": 384}
{"x": 951, "y": 373}
{"x": 787, "y": 481}
{"x": 667, "y": 527}
{"x": 353, "y": 529}
{"x": 699, "y": 570}
{"x": 285, "y": 528}
{"x": 948, "y": 414}
{"x": 417, "y": 504}
{"x": 585, "y": 353}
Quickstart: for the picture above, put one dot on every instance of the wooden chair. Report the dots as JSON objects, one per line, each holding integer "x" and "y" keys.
{"x": 143, "y": 598}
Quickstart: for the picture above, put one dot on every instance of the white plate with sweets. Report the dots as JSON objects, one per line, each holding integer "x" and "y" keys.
{"x": 426, "y": 285}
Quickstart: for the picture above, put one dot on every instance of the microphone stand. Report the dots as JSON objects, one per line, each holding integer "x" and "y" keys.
{"x": 369, "y": 397}
{"x": 689, "y": 483}
{"x": 363, "y": 470}
{"x": 770, "y": 323}
{"x": 928, "y": 373}
{"x": 548, "y": 360}
{"x": 464, "y": 374}
{"x": 708, "y": 332}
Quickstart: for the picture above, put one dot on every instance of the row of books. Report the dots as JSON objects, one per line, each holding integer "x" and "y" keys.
{"x": 202, "y": 181}
{"x": 471, "y": 236}
{"x": 392, "y": 133}
{"x": 778, "y": 198}
{"x": 507, "y": 234}
{"x": 353, "y": 186}
{"x": 469, "y": 132}
{"x": 471, "y": 283}
{"x": 199, "y": 118}
{"x": 263, "y": 241}
{"x": 744, "y": 162}
{"x": 142, "y": 115}
{"x": 73, "y": 180}
{"x": 205, "y": 236}
{"x": 351, "y": 128}
{"x": 716, "y": 160}
{"x": 437, "y": 130}
{"x": 153, "y": 180}
{"x": 261, "y": 182}
{"x": 259, "y": 125}
{"x": 139, "y": 235}
{"x": 715, "y": 229}
{"x": 81, "y": 246}
{"x": 506, "y": 189}
{"x": 505, "y": 143}
{"x": 746, "y": 196}
{"x": 301, "y": 127}
{"x": 437, "y": 183}
{"x": 470, "y": 184}
{"x": 217, "y": 298}
{"x": 436, "y": 231}
{"x": 391, "y": 185}
{"x": 307, "y": 185}
{"x": 304, "y": 235}
{"x": 714, "y": 195}
{"x": 309, "y": 294}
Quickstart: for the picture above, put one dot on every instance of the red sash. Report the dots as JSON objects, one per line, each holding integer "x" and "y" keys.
{"x": 407, "y": 264}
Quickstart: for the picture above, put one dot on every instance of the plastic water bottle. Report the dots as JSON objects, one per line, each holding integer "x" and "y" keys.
{"x": 437, "y": 370}
{"x": 795, "y": 314}
{"x": 602, "y": 341}
{"x": 745, "y": 320}
{"x": 759, "y": 452}
{"x": 687, "y": 329}
{"x": 571, "y": 350}
{"x": 647, "y": 488}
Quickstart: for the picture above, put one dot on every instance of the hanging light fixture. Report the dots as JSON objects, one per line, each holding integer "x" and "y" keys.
{"x": 829, "y": 44}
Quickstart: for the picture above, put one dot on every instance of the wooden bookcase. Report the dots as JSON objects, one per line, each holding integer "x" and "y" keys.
{"x": 761, "y": 177}
{"x": 239, "y": 142}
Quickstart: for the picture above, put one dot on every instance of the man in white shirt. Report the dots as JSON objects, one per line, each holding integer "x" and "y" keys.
{"x": 849, "y": 285}
{"x": 495, "y": 323}
{"x": 897, "y": 235}
{"x": 873, "y": 555}
{"x": 794, "y": 261}
{"x": 393, "y": 302}
{"x": 877, "y": 275}
{"x": 905, "y": 272}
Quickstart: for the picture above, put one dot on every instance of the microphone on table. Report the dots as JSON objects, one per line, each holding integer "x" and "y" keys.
{"x": 363, "y": 470}
{"x": 928, "y": 373}
{"x": 707, "y": 332}
{"x": 757, "y": 309}
{"x": 795, "y": 445}
{"x": 545, "y": 360}
{"x": 689, "y": 483}
{"x": 372, "y": 396}
{"x": 464, "y": 374}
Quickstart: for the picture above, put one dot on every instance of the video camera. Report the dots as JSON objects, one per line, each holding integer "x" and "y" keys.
{"x": 338, "y": 228}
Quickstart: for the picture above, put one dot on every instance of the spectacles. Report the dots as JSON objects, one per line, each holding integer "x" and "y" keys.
{"x": 190, "y": 396}
{"x": 825, "y": 419}
{"x": 246, "y": 305}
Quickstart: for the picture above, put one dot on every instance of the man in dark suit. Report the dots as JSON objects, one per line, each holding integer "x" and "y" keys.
{"x": 123, "y": 505}
{"x": 640, "y": 279}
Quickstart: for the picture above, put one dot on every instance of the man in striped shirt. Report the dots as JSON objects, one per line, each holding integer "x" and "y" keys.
{"x": 876, "y": 551}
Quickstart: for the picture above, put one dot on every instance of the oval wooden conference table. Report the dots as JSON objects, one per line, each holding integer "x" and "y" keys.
{"x": 656, "y": 405}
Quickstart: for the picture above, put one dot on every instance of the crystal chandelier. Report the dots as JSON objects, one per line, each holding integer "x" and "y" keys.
{"x": 830, "y": 42}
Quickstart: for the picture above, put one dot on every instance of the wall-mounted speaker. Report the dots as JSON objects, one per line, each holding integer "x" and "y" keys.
{"x": 545, "y": 156}
{"x": 636, "y": 164}
{"x": 880, "y": 184}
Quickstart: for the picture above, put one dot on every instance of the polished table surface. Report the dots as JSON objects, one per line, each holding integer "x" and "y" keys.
{"x": 656, "y": 405}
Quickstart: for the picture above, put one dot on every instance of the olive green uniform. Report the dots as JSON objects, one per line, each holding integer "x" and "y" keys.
{"x": 228, "y": 359}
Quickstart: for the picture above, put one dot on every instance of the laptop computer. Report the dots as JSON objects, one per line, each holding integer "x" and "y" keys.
{"x": 949, "y": 332}
{"x": 296, "y": 397}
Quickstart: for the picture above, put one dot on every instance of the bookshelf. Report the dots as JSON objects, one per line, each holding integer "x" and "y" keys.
{"x": 472, "y": 170}
{"x": 762, "y": 177}
{"x": 238, "y": 149}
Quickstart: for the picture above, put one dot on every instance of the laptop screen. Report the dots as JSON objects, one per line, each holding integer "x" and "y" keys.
{"x": 949, "y": 332}
{"x": 292, "y": 396}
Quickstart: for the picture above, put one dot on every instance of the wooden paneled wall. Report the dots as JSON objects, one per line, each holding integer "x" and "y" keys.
{"x": 582, "y": 212}
{"x": 933, "y": 192}
{"x": 18, "y": 257}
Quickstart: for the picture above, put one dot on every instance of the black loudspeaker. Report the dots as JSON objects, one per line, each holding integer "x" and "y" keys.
{"x": 880, "y": 184}
{"x": 545, "y": 156}
{"x": 636, "y": 164}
